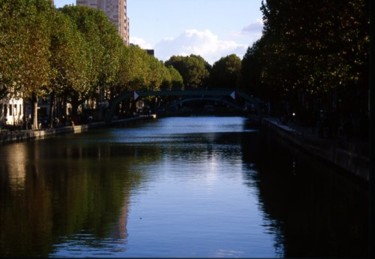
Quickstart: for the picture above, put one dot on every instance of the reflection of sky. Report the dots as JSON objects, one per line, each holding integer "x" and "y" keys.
{"x": 198, "y": 205}
{"x": 175, "y": 217}
{"x": 200, "y": 197}
{"x": 87, "y": 245}
{"x": 164, "y": 131}
{"x": 194, "y": 202}
{"x": 200, "y": 208}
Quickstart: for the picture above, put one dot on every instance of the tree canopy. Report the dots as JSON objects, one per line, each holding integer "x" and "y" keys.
{"x": 194, "y": 70}
{"x": 73, "y": 54}
{"x": 225, "y": 72}
{"x": 24, "y": 46}
{"x": 315, "y": 51}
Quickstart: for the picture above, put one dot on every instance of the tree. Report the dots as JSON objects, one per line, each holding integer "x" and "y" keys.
{"x": 103, "y": 47}
{"x": 112, "y": 45}
{"x": 25, "y": 49}
{"x": 225, "y": 72}
{"x": 251, "y": 68}
{"x": 177, "y": 82}
{"x": 13, "y": 38}
{"x": 84, "y": 20}
{"x": 133, "y": 74}
{"x": 157, "y": 73}
{"x": 70, "y": 59}
{"x": 312, "y": 52}
{"x": 193, "y": 69}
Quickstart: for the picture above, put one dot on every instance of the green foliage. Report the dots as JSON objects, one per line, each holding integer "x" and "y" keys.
{"x": 251, "y": 68}
{"x": 314, "y": 49}
{"x": 177, "y": 82}
{"x": 11, "y": 43}
{"x": 157, "y": 73}
{"x": 133, "y": 73}
{"x": 25, "y": 49}
{"x": 194, "y": 70}
{"x": 24, "y": 46}
{"x": 225, "y": 72}
{"x": 70, "y": 58}
{"x": 141, "y": 71}
{"x": 103, "y": 48}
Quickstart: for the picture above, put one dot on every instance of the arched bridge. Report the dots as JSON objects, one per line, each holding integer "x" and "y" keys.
{"x": 227, "y": 96}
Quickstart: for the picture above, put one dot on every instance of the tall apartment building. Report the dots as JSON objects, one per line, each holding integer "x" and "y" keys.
{"x": 116, "y": 10}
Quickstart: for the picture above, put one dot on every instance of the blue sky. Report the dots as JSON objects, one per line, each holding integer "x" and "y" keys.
{"x": 210, "y": 28}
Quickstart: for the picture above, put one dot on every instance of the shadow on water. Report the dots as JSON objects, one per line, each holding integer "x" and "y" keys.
{"x": 313, "y": 208}
{"x": 50, "y": 193}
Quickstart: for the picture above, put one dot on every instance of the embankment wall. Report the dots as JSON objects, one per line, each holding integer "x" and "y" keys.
{"x": 11, "y": 136}
{"x": 347, "y": 156}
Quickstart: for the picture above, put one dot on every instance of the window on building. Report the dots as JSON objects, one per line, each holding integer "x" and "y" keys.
{"x": 10, "y": 110}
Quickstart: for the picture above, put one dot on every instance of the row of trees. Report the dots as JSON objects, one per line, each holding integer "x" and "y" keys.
{"x": 198, "y": 73}
{"x": 73, "y": 54}
{"x": 312, "y": 57}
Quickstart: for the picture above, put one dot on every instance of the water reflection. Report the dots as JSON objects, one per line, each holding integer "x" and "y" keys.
{"x": 17, "y": 168}
{"x": 52, "y": 189}
{"x": 186, "y": 187}
{"x": 312, "y": 208}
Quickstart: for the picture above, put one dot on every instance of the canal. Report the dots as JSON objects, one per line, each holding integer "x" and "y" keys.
{"x": 176, "y": 187}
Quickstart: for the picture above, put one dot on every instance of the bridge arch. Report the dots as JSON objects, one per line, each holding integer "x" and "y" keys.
{"x": 214, "y": 99}
{"x": 188, "y": 95}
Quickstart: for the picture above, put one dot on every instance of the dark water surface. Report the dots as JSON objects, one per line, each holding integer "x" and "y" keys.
{"x": 176, "y": 187}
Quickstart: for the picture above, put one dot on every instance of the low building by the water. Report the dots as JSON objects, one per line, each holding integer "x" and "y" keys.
{"x": 11, "y": 111}
{"x": 15, "y": 111}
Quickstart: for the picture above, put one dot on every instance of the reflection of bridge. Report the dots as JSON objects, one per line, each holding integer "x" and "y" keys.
{"x": 230, "y": 97}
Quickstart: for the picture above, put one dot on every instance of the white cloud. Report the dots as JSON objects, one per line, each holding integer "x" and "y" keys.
{"x": 203, "y": 43}
{"x": 140, "y": 42}
{"x": 253, "y": 29}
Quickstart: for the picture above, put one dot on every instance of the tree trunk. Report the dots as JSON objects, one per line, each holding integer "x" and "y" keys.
{"x": 74, "y": 116}
{"x": 52, "y": 110}
{"x": 34, "y": 101}
{"x": 75, "y": 105}
{"x": 64, "y": 105}
{"x": 123, "y": 107}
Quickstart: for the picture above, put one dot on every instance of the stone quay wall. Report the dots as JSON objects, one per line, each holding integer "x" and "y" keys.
{"x": 347, "y": 155}
{"x": 12, "y": 136}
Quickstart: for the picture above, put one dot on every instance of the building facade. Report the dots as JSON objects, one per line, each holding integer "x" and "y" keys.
{"x": 11, "y": 111}
{"x": 116, "y": 10}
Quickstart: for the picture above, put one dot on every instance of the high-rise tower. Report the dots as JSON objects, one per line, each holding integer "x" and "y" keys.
{"x": 116, "y": 10}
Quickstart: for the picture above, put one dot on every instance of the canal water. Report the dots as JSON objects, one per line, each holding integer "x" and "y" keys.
{"x": 176, "y": 187}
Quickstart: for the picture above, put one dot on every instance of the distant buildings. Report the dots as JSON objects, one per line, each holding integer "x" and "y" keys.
{"x": 151, "y": 52}
{"x": 116, "y": 10}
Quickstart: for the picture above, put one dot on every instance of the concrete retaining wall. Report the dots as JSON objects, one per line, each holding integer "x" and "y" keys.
{"x": 24, "y": 135}
{"x": 347, "y": 158}
{"x": 11, "y": 136}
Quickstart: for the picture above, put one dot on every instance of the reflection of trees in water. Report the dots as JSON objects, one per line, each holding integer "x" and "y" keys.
{"x": 313, "y": 210}
{"x": 64, "y": 190}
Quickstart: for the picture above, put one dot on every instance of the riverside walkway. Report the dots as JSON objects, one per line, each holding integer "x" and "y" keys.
{"x": 352, "y": 155}
{"x": 12, "y": 136}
